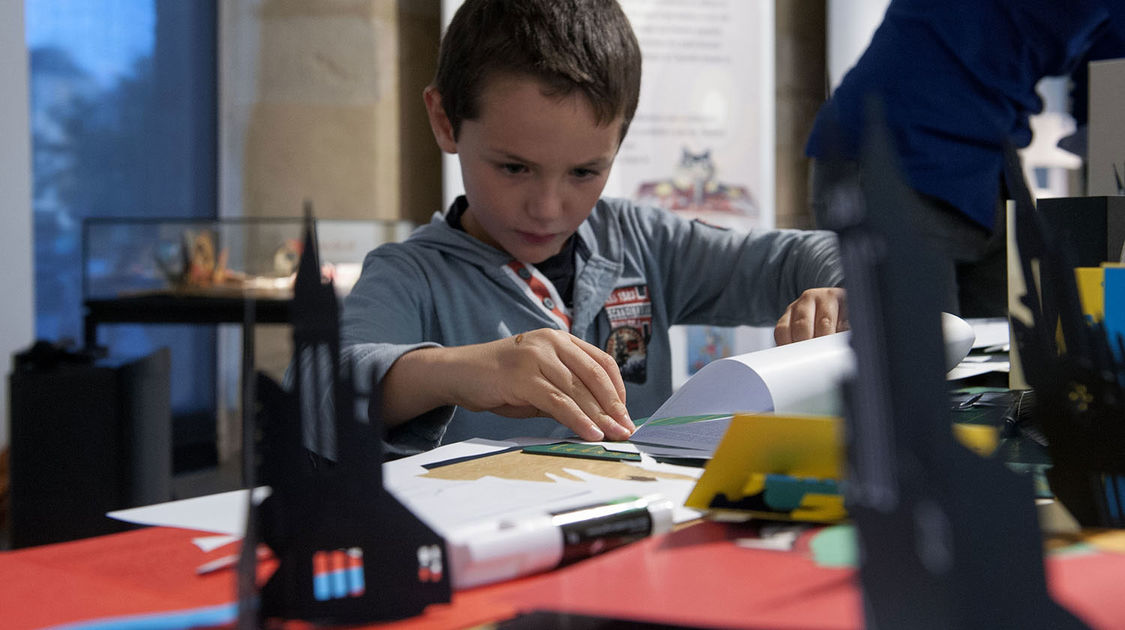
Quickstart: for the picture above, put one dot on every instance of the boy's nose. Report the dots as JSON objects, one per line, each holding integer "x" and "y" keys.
{"x": 546, "y": 203}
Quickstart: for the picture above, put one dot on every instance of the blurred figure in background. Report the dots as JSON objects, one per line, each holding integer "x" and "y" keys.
{"x": 956, "y": 81}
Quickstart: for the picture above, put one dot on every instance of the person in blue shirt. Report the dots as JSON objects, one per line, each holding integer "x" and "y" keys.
{"x": 956, "y": 81}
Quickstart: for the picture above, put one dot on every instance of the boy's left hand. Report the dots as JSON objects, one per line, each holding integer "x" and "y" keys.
{"x": 816, "y": 313}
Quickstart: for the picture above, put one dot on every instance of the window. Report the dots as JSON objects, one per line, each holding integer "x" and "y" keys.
{"x": 123, "y": 123}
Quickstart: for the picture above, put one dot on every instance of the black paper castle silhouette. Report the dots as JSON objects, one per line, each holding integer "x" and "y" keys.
{"x": 947, "y": 539}
{"x": 347, "y": 550}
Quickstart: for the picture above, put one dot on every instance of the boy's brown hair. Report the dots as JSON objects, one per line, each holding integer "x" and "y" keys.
{"x": 568, "y": 45}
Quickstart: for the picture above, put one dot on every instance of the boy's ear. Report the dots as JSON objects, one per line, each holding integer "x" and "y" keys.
{"x": 439, "y": 122}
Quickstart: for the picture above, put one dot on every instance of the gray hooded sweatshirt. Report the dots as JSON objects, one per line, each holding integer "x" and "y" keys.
{"x": 646, "y": 270}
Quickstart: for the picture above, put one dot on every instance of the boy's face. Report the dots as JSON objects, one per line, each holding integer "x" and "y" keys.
{"x": 533, "y": 165}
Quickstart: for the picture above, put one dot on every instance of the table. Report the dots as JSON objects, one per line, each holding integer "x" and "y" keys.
{"x": 693, "y": 576}
{"x": 169, "y": 308}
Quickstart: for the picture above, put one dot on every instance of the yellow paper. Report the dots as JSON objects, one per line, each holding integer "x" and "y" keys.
{"x": 756, "y": 445}
{"x": 1091, "y": 291}
{"x": 978, "y": 438}
{"x": 805, "y": 447}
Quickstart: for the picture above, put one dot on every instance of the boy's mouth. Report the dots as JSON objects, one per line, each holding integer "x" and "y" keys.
{"x": 536, "y": 239}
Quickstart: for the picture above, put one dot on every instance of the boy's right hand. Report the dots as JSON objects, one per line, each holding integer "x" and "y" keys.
{"x": 544, "y": 372}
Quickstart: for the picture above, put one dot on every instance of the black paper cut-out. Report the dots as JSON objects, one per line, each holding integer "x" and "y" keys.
{"x": 1080, "y": 398}
{"x": 947, "y": 539}
{"x": 348, "y": 551}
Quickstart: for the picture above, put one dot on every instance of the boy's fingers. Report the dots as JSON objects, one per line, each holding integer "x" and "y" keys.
{"x": 842, "y": 323}
{"x": 824, "y": 318}
{"x": 830, "y": 312}
{"x": 556, "y": 404}
{"x": 816, "y": 313}
{"x": 572, "y": 418}
{"x": 781, "y": 334}
{"x": 553, "y": 373}
{"x": 608, "y": 364}
{"x": 795, "y": 324}
{"x": 575, "y": 378}
{"x": 598, "y": 373}
{"x": 590, "y": 378}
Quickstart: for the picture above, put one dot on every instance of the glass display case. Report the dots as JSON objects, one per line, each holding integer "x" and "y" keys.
{"x": 193, "y": 271}
{"x": 224, "y": 258}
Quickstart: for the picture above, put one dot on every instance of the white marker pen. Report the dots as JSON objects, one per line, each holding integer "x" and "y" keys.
{"x": 511, "y": 548}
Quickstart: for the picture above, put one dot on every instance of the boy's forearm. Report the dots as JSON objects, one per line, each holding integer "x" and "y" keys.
{"x": 415, "y": 384}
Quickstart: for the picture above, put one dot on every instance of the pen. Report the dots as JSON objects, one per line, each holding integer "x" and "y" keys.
{"x": 510, "y": 548}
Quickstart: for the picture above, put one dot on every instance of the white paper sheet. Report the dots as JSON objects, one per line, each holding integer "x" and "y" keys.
{"x": 700, "y": 438}
{"x": 223, "y": 513}
{"x": 799, "y": 378}
{"x": 446, "y": 505}
{"x": 211, "y": 543}
{"x": 443, "y": 504}
{"x": 990, "y": 332}
{"x": 975, "y": 365}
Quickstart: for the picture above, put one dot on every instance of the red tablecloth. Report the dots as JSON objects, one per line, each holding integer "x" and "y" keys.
{"x": 695, "y": 576}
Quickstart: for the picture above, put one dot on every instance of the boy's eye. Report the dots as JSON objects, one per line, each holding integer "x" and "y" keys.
{"x": 584, "y": 173}
{"x": 513, "y": 169}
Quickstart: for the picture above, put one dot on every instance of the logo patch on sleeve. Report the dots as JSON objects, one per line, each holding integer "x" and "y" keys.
{"x": 630, "y": 321}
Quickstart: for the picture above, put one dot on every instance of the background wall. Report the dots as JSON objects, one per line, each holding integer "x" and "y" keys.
{"x": 799, "y": 90}
{"x": 321, "y": 101}
{"x": 16, "y": 322}
{"x": 336, "y": 112}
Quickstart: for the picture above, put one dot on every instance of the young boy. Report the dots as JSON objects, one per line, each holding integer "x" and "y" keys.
{"x": 533, "y": 307}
